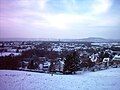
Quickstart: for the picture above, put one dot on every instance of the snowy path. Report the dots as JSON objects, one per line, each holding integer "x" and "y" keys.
{"x": 20, "y": 80}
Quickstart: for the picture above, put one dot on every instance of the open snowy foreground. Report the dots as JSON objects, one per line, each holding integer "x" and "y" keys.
{"x": 20, "y": 80}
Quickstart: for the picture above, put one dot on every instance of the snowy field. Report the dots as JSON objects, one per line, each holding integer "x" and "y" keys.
{"x": 8, "y": 53}
{"x": 20, "y": 80}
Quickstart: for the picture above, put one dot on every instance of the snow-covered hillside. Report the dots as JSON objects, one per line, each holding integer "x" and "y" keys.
{"x": 20, "y": 80}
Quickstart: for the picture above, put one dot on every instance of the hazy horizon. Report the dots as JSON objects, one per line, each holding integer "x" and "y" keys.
{"x": 88, "y": 39}
{"x": 60, "y": 19}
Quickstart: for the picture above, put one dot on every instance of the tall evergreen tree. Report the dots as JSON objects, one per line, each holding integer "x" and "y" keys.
{"x": 31, "y": 65}
{"x": 71, "y": 63}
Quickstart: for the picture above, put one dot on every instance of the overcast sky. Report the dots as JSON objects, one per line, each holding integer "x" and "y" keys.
{"x": 68, "y": 19}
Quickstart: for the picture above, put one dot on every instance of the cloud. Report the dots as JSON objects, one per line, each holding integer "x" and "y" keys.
{"x": 67, "y": 21}
{"x": 53, "y": 16}
{"x": 62, "y": 20}
{"x": 101, "y": 6}
{"x": 42, "y": 4}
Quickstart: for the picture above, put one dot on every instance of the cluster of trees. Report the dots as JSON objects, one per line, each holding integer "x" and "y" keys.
{"x": 32, "y": 65}
{"x": 14, "y": 62}
{"x": 10, "y": 62}
{"x": 40, "y": 53}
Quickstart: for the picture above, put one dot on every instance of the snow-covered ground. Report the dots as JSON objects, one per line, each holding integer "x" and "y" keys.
{"x": 20, "y": 80}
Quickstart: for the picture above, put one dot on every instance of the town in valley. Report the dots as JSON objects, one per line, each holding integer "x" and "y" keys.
{"x": 59, "y": 56}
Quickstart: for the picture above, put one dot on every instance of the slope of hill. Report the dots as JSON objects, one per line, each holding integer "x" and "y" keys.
{"x": 20, "y": 80}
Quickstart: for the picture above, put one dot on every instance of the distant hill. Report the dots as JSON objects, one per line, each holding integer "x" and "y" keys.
{"x": 93, "y": 39}
{"x": 89, "y": 39}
